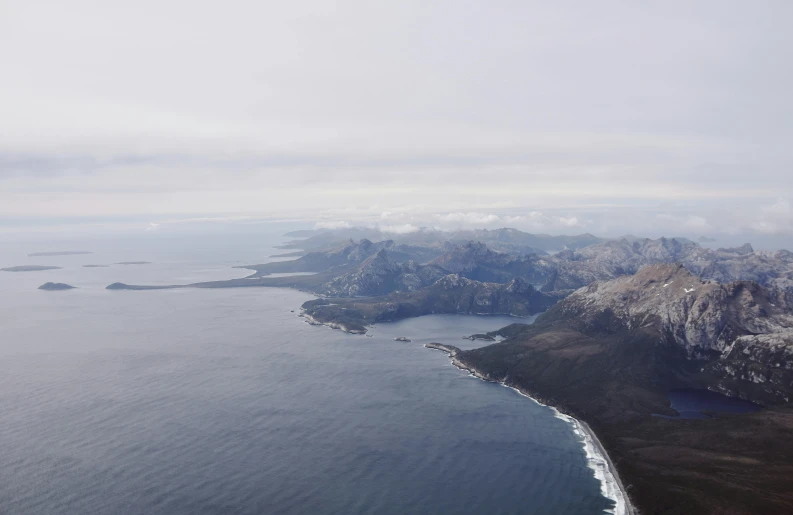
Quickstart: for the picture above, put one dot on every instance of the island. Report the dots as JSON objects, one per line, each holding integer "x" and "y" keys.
{"x": 60, "y": 253}
{"x": 56, "y": 287}
{"x": 133, "y": 263}
{"x": 29, "y": 268}
{"x": 95, "y": 266}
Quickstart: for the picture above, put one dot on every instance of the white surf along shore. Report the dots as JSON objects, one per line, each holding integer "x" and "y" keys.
{"x": 611, "y": 486}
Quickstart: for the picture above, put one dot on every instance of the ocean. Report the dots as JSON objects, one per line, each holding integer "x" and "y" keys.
{"x": 224, "y": 401}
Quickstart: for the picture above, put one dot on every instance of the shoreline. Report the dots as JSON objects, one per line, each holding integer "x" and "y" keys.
{"x": 598, "y": 460}
{"x": 333, "y": 325}
{"x": 600, "y": 451}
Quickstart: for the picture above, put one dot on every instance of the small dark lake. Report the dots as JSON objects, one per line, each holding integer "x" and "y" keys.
{"x": 692, "y": 403}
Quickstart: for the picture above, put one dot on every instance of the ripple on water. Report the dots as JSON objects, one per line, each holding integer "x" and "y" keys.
{"x": 221, "y": 401}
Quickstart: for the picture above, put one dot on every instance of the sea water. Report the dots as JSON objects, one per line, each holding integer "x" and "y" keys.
{"x": 224, "y": 401}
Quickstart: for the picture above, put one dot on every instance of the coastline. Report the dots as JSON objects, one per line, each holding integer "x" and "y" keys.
{"x": 614, "y": 480}
{"x": 333, "y": 325}
{"x": 599, "y": 462}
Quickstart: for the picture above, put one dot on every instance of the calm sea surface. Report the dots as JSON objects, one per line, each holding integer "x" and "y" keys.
{"x": 225, "y": 402}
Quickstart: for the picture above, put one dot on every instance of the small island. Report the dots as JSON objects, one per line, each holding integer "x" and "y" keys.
{"x": 95, "y": 266}
{"x": 29, "y": 268}
{"x": 60, "y": 253}
{"x": 133, "y": 263}
{"x": 56, "y": 287}
{"x": 401, "y": 339}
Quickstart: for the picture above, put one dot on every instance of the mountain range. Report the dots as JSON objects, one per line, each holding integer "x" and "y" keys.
{"x": 609, "y": 353}
{"x": 625, "y": 322}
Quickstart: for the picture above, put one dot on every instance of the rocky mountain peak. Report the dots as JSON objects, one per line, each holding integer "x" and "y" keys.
{"x": 361, "y": 250}
{"x": 465, "y": 257}
{"x": 380, "y": 274}
{"x": 698, "y": 315}
{"x": 451, "y": 281}
{"x": 410, "y": 266}
{"x": 380, "y": 261}
{"x": 519, "y": 285}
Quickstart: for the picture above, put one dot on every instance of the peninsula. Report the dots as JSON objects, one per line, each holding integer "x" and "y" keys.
{"x": 29, "y": 268}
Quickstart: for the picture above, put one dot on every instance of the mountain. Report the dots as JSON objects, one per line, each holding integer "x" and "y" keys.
{"x": 609, "y": 353}
{"x": 360, "y": 269}
{"x": 380, "y": 274}
{"x": 450, "y": 294}
{"x": 367, "y": 268}
{"x": 516, "y": 241}
{"x": 741, "y": 330}
{"x": 512, "y": 241}
{"x": 475, "y": 260}
{"x": 638, "y": 318}
{"x": 574, "y": 269}
{"x": 324, "y": 239}
{"x": 345, "y": 257}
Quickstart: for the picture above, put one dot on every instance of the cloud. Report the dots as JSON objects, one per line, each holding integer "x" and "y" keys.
{"x": 780, "y": 208}
{"x": 688, "y": 224}
{"x": 208, "y": 219}
{"x": 340, "y": 224}
{"x": 399, "y": 229}
{"x": 569, "y": 222}
{"x": 697, "y": 223}
{"x": 539, "y": 221}
{"x": 471, "y": 218}
{"x": 350, "y": 120}
{"x": 532, "y": 221}
{"x": 776, "y": 218}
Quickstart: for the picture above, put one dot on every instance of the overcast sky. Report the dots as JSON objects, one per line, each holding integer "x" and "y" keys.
{"x": 607, "y": 117}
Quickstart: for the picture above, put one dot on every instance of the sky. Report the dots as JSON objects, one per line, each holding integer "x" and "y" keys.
{"x": 611, "y": 117}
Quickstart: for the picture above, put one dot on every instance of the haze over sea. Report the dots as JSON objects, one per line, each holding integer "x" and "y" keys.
{"x": 215, "y": 401}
